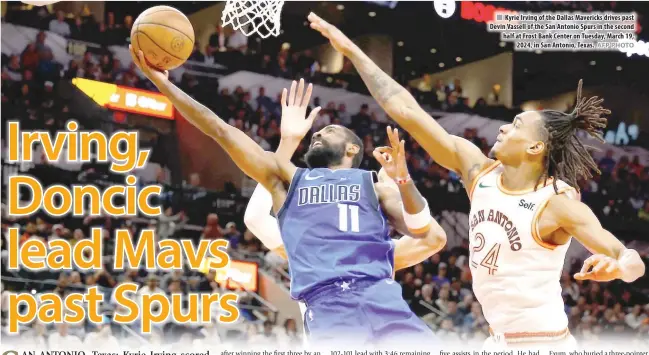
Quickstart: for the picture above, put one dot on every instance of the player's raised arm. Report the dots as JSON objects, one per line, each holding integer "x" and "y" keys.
{"x": 452, "y": 152}
{"x": 244, "y": 151}
{"x": 293, "y": 128}
{"x": 409, "y": 251}
{"x": 407, "y": 210}
{"x": 611, "y": 259}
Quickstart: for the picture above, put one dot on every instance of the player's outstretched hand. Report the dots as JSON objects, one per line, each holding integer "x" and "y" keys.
{"x": 338, "y": 40}
{"x": 393, "y": 158}
{"x": 604, "y": 268}
{"x": 152, "y": 73}
{"x": 294, "y": 106}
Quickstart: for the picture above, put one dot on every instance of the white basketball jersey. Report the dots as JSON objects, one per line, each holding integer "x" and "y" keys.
{"x": 516, "y": 276}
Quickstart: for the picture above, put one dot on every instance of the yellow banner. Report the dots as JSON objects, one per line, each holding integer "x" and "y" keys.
{"x": 121, "y": 98}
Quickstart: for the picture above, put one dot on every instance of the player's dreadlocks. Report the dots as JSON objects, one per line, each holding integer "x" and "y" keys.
{"x": 567, "y": 158}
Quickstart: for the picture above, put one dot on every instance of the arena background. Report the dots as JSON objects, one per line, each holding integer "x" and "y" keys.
{"x": 53, "y": 57}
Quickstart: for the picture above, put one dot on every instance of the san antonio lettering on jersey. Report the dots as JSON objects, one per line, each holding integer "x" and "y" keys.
{"x": 505, "y": 222}
{"x": 328, "y": 193}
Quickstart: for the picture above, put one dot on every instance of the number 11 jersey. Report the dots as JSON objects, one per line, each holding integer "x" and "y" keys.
{"x": 334, "y": 230}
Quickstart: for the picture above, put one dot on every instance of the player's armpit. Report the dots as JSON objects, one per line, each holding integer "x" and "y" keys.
{"x": 285, "y": 168}
{"x": 470, "y": 161}
{"x": 410, "y": 251}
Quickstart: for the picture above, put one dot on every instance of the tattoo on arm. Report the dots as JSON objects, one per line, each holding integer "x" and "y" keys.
{"x": 381, "y": 85}
{"x": 472, "y": 173}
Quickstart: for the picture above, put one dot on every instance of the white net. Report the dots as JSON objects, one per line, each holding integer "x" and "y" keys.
{"x": 260, "y": 16}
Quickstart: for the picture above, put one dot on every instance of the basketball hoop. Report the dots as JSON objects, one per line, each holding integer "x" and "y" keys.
{"x": 258, "y": 16}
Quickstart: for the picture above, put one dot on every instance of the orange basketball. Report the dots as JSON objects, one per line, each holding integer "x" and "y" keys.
{"x": 164, "y": 35}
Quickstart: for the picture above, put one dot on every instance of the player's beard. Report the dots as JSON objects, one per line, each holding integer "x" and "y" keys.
{"x": 324, "y": 156}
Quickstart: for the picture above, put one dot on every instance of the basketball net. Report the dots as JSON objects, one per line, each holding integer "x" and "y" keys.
{"x": 258, "y": 16}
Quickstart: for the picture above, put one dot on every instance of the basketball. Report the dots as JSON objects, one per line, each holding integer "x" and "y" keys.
{"x": 164, "y": 35}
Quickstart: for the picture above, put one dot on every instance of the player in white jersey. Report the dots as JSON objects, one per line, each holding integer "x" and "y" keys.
{"x": 525, "y": 206}
{"x": 516, "y": 273}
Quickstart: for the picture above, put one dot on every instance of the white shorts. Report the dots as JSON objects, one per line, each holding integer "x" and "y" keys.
{"x": 499, "y": 342}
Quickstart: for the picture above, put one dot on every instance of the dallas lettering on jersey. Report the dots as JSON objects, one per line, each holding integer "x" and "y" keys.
{"x": 328, "y": 193}
{"x": 504, "y": 221}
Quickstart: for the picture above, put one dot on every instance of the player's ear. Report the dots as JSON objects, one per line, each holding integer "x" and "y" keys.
{"x": 352, "y": 149}
{"x": 536, "y": 148}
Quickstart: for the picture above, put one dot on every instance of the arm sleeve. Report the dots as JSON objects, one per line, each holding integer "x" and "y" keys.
{"x": 258, "y": 219}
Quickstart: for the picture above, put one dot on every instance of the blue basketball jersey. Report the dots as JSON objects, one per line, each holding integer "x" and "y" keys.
{"x": 333, "y": 229}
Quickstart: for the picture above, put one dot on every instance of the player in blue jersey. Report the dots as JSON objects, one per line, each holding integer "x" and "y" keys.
{"x": 408, "y": 251}
{"x": 333, "y": 218}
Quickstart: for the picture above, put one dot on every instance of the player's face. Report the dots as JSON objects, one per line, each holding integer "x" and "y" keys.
{"x": 519, "y": 139}
{"x": 327, "y": 147}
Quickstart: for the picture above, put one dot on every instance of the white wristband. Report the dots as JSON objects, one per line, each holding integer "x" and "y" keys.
{"x": 629, "y": 274}
{"x": 417, "y": 223}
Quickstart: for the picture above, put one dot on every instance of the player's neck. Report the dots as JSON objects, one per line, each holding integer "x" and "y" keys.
{"x": 521, "y": 177}
{"x": 338, "y": 167}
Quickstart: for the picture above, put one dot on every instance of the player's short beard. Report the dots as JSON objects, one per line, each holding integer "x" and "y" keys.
{"x": 324, "y": 156}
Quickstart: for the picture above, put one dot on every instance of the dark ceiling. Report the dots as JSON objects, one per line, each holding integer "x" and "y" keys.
{"x": 422, "y": 40}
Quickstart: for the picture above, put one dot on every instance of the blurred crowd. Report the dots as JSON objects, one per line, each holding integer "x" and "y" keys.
{"x": 438, "y": 290}
{"x": 83, "y": 26}
{"x": 257, "y": 319}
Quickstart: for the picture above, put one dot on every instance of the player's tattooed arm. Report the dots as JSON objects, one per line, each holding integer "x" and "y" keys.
{"x": 611, "y": 259}
{"x": 470, "y": 174}
{"x": 449, "y": 151}
{"x": 473, "y": 171}
{"x": 381, "y": 86}
{"x": 245, "y": 152}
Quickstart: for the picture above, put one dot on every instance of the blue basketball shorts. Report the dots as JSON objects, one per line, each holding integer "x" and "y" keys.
{"x": 363, "y": 312}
